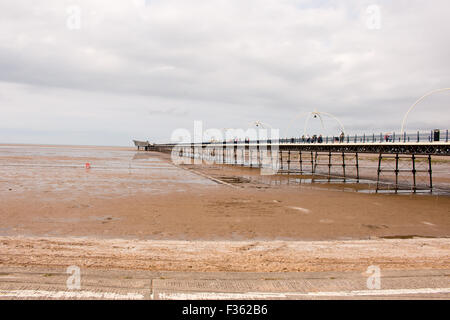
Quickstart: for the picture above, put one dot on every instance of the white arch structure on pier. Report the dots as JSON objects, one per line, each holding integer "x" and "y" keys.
{"x": 316, "y": 114}
{"x": 416, "y": 103}
{"x": 261, "y": 125}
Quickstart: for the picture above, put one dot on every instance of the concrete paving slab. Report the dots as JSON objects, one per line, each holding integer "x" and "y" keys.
{"x": 50, "y": 283}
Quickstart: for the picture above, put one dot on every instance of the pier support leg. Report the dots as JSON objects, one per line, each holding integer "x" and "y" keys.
{"x": 301, "y": 162}
{"x": 261, "y": 155}
{"x": 413, "y": 158}
{"x": 357, "y": 167}
{"x": 281, "y": 159}
{"x": 396, "y": 172}
{"x": 343, "y": 165}
{"x": 380, "y": 156}
{"x": 289, "y": 160}
{"x": 314, "y": 162}
{"x": 258, "y": 155}
{"x": 329, "y": 165}
{"x": 430, "y": 172}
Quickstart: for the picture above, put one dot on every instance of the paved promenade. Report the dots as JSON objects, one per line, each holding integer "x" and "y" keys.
{"x": 51, "y": 283}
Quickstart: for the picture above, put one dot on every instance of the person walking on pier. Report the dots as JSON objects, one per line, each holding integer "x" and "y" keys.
{"x": 320, "y": 139}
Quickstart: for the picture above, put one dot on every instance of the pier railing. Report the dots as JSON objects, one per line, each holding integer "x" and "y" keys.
{"x": 416, "y": 137}
{"x": 434, "y": 142}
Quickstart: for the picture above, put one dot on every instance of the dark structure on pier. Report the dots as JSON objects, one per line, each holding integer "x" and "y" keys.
{"x": 144, "y": 145}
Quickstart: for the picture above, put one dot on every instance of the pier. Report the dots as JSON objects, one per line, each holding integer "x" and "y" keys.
{"x": 397, "y": 156}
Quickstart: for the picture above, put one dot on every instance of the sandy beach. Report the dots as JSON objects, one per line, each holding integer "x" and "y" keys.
{"x": 139, "y": 211}
{"x": 48, "y": 192}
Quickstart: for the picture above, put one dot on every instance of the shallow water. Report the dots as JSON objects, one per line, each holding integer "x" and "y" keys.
{"x": 113, "y": 172}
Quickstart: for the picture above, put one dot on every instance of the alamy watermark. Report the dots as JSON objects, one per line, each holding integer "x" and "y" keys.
{"x": 74, "y": 14}
{"x": 74, "y": 280}
{"x": 373, "y": 17}
{"x": 374, "y": 280}
{"x": 255, "y": 146}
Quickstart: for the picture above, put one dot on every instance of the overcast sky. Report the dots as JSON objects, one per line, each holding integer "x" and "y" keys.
{"x": 105, "y": 72}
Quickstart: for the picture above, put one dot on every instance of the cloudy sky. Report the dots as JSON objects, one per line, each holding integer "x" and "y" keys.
{"x": 105, "y": 72}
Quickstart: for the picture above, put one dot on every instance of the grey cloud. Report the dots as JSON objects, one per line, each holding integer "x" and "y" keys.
{"x": 225, "y": 62}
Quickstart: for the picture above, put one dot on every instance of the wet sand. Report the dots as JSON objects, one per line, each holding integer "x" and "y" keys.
{"x": 46, "y": 193}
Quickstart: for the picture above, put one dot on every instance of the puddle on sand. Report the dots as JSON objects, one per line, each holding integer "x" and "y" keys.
{"x": 408, "y": 237}
{"x": 321, "y": 181}
{"x": 105, "y": 218}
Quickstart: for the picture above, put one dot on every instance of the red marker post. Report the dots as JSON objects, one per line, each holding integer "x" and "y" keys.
{"x": 88, "y": 165}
